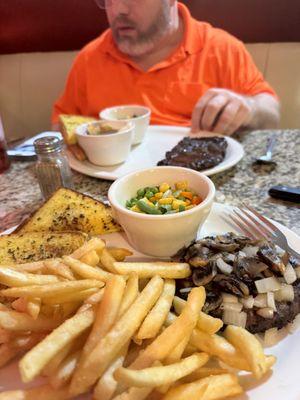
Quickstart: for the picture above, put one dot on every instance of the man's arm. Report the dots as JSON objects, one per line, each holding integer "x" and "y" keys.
{"x": 266, "y": 112}
{"x": 224, "y": 111}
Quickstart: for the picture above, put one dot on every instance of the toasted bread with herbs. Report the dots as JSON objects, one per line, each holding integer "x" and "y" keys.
{"x": 68, "y": 124}
{"x": 70, "y": 210}
{"x": 34, "y": 246}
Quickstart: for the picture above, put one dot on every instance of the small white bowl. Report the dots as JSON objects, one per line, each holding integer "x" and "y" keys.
{"x": 160, "y": 235}
{"x": 126, "y": 113}
{"x": 107, "y": 148}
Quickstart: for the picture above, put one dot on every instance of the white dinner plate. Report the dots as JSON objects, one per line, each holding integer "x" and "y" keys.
{"x": 284, "y": 381}
{"x": 158, "y": 140}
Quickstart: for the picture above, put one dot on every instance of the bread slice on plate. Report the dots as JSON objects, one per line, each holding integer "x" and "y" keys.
{"x": 68, "y": 210}
{"x": 68, "y": 124}
{"x": 35, "y": 246}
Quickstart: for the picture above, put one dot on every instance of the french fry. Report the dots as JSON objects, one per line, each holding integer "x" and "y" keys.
{"x": 45, "y": 392}
{"x": 95, "y": 298}
{"x": 93, "y": 244}
{"x": 163, "y": 375}
{"x": 33, "y": 267}
{"x": 118, "y": 253}
{"x": 130, "y": 294}
{"x": 86, "y": 271}
{"x": 210, "y": 388}
{"x": 176, "y": 354}
{"x": 70, "y": 297}
{"x": 20, "y": 304}
{"x": 36, "y": 359}
{"x": 90, "y": 258}
{"x": 205, "y": 323}
{"x": 161, "y": 347}
{"x": 108, "y": 261}
{"x": 204, "y": 372}
{"x": 249, "y": 347}
{"x": 3, "y": 307}
{"x": 53, "y": 289}
{"x": 58, "y": 268}
{"x": 5, "y": 336}
{"x": 107, "y": 385}
{"x": 10, "y": 277}
{"x": 219, "y": 347}
{"x": 134, "y": 394}
{"x": 55, "y": 361}
{"x": 34, "y": 307}
{"x": 156, "y": 317}
{"x": 64, "y": 373}
{"x": 7, "y": 353}
{"x": 170, "y": 270}
{"x": 109, "y": 347}
{"x": 105, "y": 317}
{"x": 15, "y": 321}
{"x": 10, "y": 350}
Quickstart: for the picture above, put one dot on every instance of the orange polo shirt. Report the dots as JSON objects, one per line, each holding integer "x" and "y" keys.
{"x": 102, "y": 76}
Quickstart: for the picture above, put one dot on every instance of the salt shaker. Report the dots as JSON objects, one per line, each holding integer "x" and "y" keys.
{"x": 52, "y": 167}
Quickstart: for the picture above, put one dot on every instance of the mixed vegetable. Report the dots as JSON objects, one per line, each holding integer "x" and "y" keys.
{"x": 164, "y": 199}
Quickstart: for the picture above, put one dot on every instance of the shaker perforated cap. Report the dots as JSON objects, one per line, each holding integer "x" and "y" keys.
{"x": 48, "y": 144}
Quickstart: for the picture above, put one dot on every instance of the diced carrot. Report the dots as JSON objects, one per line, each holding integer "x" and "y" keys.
{"x": 188, "y": 195}
{"x": 196, "y": 200}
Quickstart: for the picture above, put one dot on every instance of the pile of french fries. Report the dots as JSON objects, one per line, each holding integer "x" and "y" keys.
{"x": 94, "y": 323}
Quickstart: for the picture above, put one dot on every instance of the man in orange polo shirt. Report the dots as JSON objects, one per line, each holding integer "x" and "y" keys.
{"x": 188, "y": 73}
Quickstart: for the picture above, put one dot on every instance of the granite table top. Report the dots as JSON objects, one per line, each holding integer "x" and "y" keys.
{"x": 20, "y": 193}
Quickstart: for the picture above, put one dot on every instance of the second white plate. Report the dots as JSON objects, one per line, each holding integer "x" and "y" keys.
{"x": 158, "y": 140}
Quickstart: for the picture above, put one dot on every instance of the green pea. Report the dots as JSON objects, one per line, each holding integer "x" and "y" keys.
{"x": 141, "y": 193}
{"x": 149, "y": 194}
{"x": 143, "y": 206}
{"x": 181, "y": 208}
{"x": 154, "y": 190}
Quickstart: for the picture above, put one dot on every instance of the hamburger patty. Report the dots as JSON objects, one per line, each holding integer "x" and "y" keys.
{"x": 243, "y": 261}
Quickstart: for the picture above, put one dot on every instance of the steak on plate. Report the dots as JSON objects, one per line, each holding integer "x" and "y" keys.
{"x": 197, "y": 153}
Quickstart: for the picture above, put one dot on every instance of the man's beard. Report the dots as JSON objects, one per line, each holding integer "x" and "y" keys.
{"x": 145, "y": 42}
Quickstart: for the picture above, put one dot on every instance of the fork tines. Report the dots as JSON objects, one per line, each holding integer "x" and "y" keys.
{"x": 252, "y": 223}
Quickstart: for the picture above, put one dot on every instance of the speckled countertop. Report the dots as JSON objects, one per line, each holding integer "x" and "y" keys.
{"x": 20, "y": 194}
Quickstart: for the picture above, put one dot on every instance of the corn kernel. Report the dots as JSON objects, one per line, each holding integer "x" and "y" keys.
{"x": 167, "y": 200}
{"x": 183, "y": 185}
{"x": 135, "y": 208}
{"x": 176, "y": 203}
{"x": 152, "y": 199}
{"x": 188, "y": 202}
{"x": 158, "y": 195}
{"x": 164, "y": 187}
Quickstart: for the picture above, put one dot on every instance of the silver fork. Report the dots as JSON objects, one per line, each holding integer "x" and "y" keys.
{"x": 256, "y": 226}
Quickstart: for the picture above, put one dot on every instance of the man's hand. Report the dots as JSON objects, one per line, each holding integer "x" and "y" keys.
{"x": 222, "y": 111}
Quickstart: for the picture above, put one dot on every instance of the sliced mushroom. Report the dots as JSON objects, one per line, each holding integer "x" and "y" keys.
{"x": 213, "y": 302}
{"x": 203, "y": 276}
{"x": 222, "y": 243}
{"x": 249, "y": 267}
{"x": 199, "y": 256}
{"x": 231, "y": 284}
{"x": 267, "y": 253}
